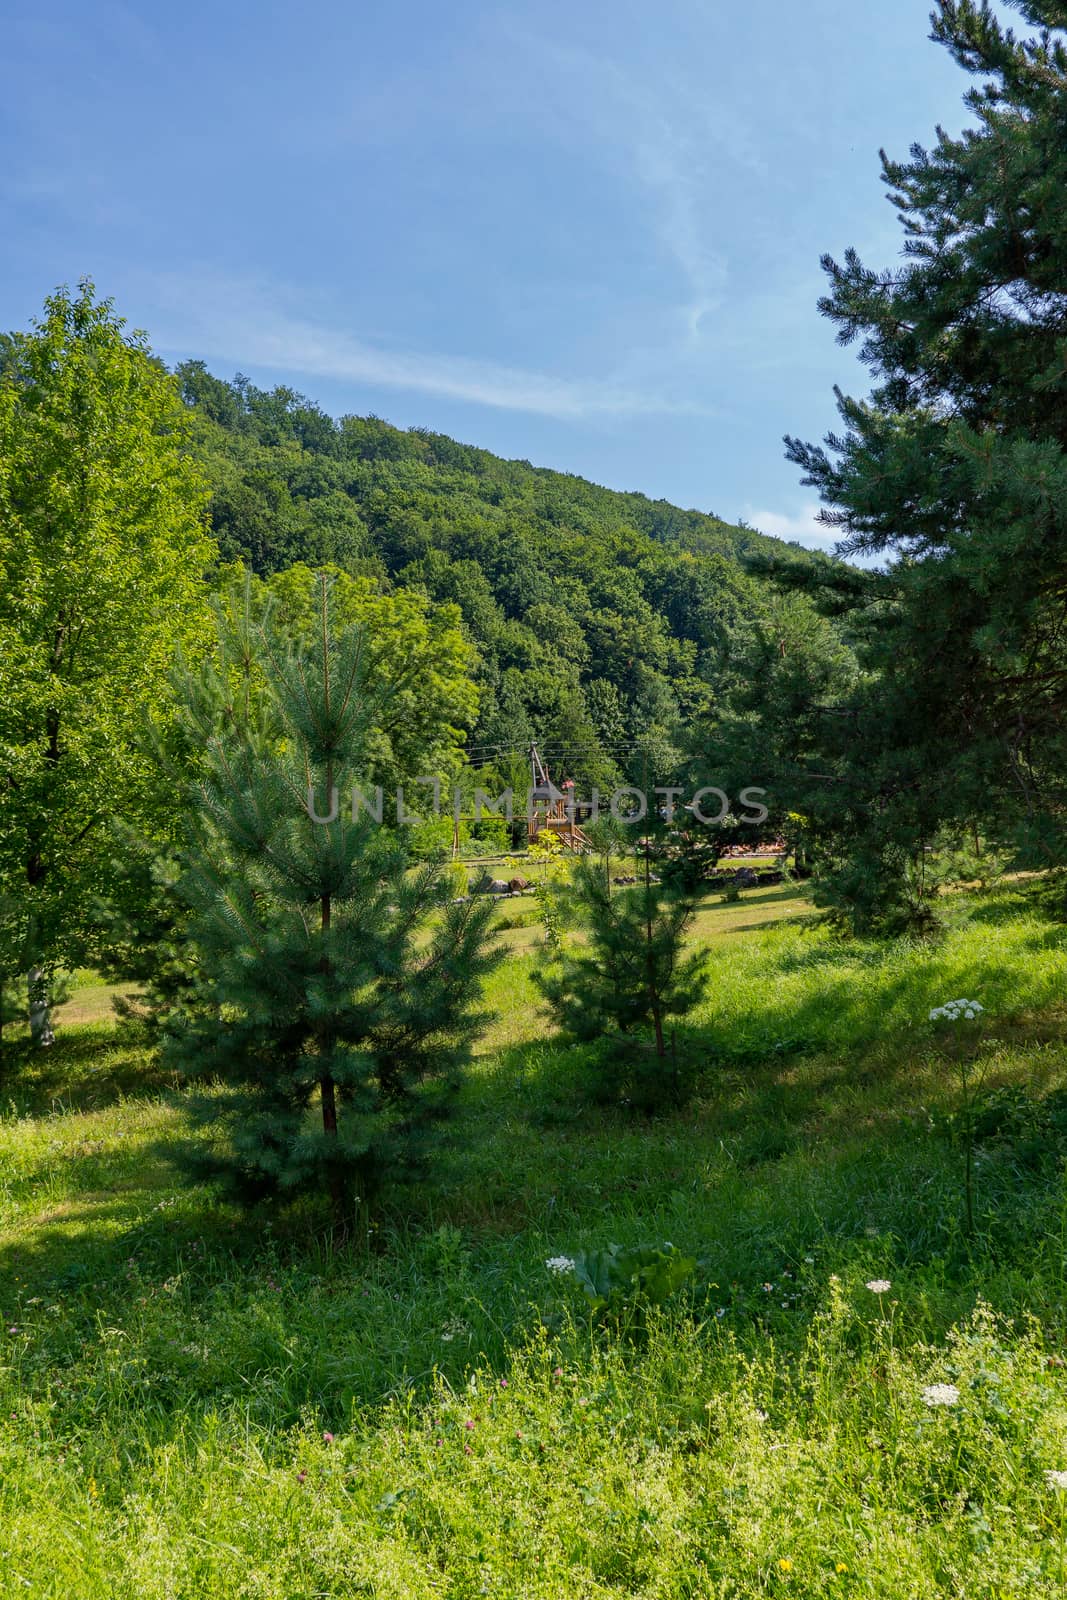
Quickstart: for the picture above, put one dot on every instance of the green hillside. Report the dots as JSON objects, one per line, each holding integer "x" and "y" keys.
{"x": 602, "y": 619}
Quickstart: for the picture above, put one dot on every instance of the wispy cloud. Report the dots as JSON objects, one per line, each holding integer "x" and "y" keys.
{"x": 803, "y": 526}
{"x": 229, "y": 320}
{"x": 661, "y": 138}
{"x": 661, "y": 165}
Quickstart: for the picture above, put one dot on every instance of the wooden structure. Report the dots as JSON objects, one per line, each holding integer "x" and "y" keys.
{"x": 552, "y": 810}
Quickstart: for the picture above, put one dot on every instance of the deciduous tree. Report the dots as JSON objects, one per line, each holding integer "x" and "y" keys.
{"x": 103, "y": 552}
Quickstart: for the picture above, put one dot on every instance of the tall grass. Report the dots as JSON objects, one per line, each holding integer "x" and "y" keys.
{"x": 170, "y": 1371}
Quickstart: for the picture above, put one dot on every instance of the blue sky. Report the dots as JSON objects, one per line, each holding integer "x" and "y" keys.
{"x": 585, "y": 235}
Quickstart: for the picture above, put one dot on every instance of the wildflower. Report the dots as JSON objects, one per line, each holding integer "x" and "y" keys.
{"x": 301, "y": 1477}
{"x": 503, "y": 1383}
{"x": 557, "y": 1372}
{"x": 953, "y": 1010}
{"x": 469, "y": 1423}
{"x": 785, "y": 1565}
{"x": 940, "y": 1394}
{"x": 721, "y": 1311}
{"x": 327, "y": 1438}
{"x": 841, "y": 1567}
{"x": 879, "y": 1285}
{"x": 1056, "y": 1480}
{"x": 559, "y": 1265}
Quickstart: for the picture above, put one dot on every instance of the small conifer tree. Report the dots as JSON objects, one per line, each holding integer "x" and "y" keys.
{"x": 629, "y": 973}
{"x": 332, "y": 1007}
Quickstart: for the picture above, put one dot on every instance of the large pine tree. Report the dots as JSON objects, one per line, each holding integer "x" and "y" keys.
{"x": 334, "y": 1000}
{"x": 954, "y": 469}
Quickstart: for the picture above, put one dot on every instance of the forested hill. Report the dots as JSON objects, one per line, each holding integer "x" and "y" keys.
{"x": 601, "y": 618}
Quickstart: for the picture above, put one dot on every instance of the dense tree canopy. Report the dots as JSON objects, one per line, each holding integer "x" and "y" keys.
{"x": 602, "y": 621}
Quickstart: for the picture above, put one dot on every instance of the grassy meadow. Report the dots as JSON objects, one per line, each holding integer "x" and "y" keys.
{"x": 199, "y": 1404}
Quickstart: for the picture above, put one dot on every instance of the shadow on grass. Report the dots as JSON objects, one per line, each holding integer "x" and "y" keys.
{"x": 90, "y": 1066}
{"x": 219, "y": 1309}
{"x": 121, "y": 1237}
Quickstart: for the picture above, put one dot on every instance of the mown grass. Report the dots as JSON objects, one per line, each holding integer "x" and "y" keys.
{"x": 170, "y": 1370}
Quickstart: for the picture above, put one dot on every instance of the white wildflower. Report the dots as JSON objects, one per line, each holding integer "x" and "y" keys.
{"x": 1056, "y": 1480}
{"x": 954, "y": 1010}
{"x": 879, "y": 1285}
{"x": 559, "y": 1265}
{"x": 940, "y": 1394}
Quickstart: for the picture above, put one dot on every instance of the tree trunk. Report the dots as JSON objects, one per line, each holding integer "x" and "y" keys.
{"x": 657, "y": 1023}
{"x": 328, "y": 1095}
{"x": 650, "y": 968}
{"x": 38, "y": 993}
{"x": 338, "y": 1186}
{"x": 327, "y": 1089}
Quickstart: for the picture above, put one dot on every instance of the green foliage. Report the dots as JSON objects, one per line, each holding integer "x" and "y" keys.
{"x": 551, "y": 913}
{"x": 144, "y": 936}
{"x": 418, "y": 648}
{"x": 601, "y": 620}
{"x": 621, "y": 1283}
{"x": 628, "y": 972}
{"x": 954, "y": 472}
{"x": 103, "y": 553}
{"x": 332, "y": 1006}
